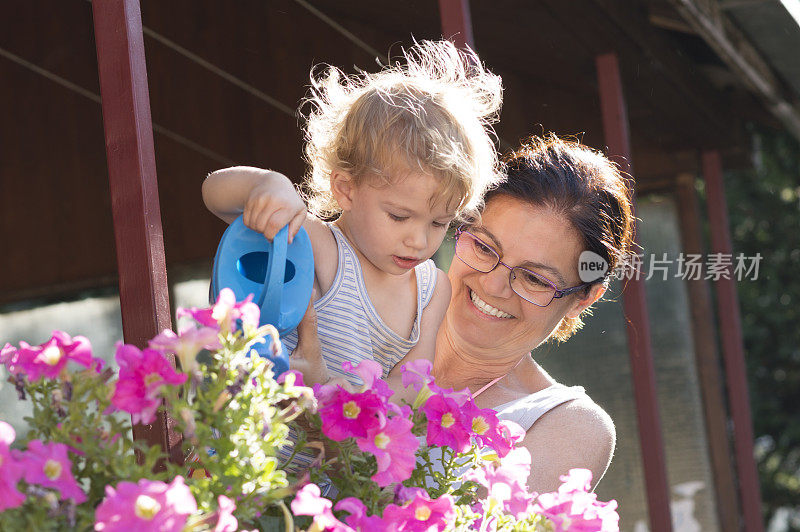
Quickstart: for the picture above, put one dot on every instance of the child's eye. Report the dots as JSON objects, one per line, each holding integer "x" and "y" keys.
{"x": 441, "y": 224}
{"x": 397, "y": 218}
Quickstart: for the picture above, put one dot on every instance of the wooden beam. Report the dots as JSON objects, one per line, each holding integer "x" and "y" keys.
{"x": 623, "y": 28}
{"x": 457, "y": 22}
{"x": 134, "y": 189}
{"x": 617, "y": 135}
{"x": 730, "y": 327}
{"x": 713, "y": 25}
{"x": 707, "y": 360}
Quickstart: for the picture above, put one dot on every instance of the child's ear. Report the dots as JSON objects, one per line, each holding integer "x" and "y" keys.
{"x": 342, "y": 186}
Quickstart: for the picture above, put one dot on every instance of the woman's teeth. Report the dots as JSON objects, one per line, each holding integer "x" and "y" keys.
{"x": 486, "y": 308}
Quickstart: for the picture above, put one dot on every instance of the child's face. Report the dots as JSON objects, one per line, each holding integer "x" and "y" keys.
{"x": 394, "y": 226}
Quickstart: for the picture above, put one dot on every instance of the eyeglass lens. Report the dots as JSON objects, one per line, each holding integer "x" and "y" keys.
{"x": 480, "y": 256}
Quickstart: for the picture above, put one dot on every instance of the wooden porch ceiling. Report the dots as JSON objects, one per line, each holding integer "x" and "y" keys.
{"x": 545, "y": 52}
{"x": 54, "y": 205}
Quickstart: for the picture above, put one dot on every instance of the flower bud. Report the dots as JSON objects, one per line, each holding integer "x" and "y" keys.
{"x": 223, "y": 398}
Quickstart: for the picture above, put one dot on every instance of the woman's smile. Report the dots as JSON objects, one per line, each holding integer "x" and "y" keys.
{"x": 485, "y": 308}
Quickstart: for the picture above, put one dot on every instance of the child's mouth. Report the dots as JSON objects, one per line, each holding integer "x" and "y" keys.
{"x": 406, "y": 262}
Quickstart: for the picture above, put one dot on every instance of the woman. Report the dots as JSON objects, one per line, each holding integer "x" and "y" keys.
{"x": 560, "y": 199}
{"x": 515, "y": 285}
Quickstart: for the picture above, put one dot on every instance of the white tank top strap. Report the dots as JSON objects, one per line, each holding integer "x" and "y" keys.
{"x": 426, "y": 282}
{"x": 344, "y": 253}
{"x": 527, "y": 410}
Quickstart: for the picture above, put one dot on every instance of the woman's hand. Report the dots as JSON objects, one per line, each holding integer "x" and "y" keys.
{"x": 307, "y": 356}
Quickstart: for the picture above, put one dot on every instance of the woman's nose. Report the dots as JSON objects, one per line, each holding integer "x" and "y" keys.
{"x": 496, "y": 282}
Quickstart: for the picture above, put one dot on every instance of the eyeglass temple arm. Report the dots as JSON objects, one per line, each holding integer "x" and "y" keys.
{"x": 568, "y": 291}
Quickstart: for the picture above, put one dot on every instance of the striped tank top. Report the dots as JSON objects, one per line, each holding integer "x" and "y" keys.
{"x": 350, "y": 327}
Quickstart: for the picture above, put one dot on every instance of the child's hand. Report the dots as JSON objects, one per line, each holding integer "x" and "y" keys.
{"x": 271, "y": 205}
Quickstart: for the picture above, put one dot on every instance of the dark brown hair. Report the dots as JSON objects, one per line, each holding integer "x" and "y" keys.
{"x": 582, "y": 185}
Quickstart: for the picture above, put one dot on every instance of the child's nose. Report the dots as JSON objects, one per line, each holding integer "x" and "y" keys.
{"x": 417, "y": 239}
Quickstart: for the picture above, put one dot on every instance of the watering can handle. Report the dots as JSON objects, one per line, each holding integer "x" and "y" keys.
{"x": 273, "y": 284}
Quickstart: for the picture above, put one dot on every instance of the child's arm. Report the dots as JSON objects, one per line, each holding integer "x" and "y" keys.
{"x": 267, "y": 199}
{"x": 432, "y": 318}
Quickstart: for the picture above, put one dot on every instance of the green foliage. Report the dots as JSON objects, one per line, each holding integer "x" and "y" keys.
{"x": 231, "y": 412}
{"x": 71, "y": 411}
{"x": 764, "y": 206}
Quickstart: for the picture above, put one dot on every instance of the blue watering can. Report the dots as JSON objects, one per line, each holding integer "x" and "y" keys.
{"x": 279, "y": 275}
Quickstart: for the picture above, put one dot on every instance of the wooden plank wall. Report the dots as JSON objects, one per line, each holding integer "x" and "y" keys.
{"x": 55, "y": 216}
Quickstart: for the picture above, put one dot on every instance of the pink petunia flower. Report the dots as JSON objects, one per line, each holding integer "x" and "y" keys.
{"x": 506, "y": 481}
{"x": 8, "y": 356}
{"x": 422, "y": 514}
{"x": 350, "y": 415}
{"x": 10, "y": 470}
{"x": 358, "y": 518}
{"x": 573, "y": 508}
{"x": 505, "y": 437}
{"x": 47, "y": 465}
{"x": 444, "y": 424}
{"x": 576, "y": 480}
{"x": 298, "y": 377}
{"x": 226, "y": 522}
{"x": 481, "y": 423}
{"x": 49, "y": 358}
{"x": 225, "y": 312}
{"x": 141, "y": 376}
{"x": 308, "y": 501}
{"x": 146, "y": 505}
{"x": 370, "y": 373}
{"x": 186, "y": 344}
{"x": 418, "y": 374}
{"x": 393, "y": 446}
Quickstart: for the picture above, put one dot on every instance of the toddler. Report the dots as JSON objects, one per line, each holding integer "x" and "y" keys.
{"x": 394, "y": 158}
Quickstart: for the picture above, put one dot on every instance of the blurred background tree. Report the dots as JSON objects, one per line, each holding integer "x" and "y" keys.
{"x": 764, "y": 206}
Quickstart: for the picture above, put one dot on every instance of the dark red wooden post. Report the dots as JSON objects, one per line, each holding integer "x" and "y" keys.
{"x": 730, "y": 327}
{"x": 134, "y": 189}
{"x": 617, "y": 136}
{"x": 709, "y": 372}
{"x": 457, "y": 22}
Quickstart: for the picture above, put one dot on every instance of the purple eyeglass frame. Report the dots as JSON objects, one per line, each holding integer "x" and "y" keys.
{"x": 557, "y": 292}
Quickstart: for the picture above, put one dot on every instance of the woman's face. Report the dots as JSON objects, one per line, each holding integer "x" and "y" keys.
{"x": 524, "y": 235}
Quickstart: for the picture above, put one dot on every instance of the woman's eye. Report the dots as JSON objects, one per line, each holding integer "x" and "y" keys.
{"x": 397, "y": 218}
{"x": 482, "y": 248}
{"x": 532, "y": 279}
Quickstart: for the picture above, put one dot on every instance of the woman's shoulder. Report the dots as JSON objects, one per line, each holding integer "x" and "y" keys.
{"x": 575, "y": 434}
{"x": 582, "y": 415}
{"x": 573, "y": 411}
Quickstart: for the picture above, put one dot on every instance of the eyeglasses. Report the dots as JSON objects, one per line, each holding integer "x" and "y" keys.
{"x": 527, "y": 284}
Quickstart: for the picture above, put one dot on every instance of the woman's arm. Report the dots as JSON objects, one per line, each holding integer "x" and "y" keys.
{"x": 307, "y": 355}
{"x": 577, "y": 434}
{"x": 431, "y": 319}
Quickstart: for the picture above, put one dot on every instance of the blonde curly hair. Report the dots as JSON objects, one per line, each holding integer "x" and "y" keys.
{"x": 431, "y": 113}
